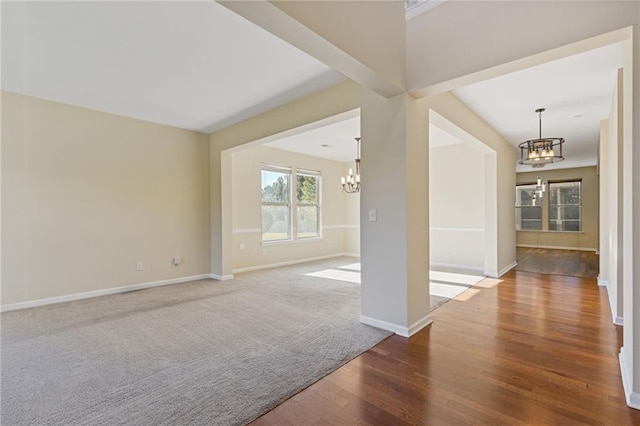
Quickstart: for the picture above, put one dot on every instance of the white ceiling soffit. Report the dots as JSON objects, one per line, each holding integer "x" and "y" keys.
{"x": 335, "y": 141}
{"x": 576, "y": 92}
{"x": 194, "y": 65}
{"x": 438, "y": 138}
{"x": 339, "y": 138}
{"x": 417, "y": 7}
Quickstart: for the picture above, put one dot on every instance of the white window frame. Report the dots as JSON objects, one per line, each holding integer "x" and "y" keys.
{"x": 292, "y": 203}
{"x": 317, "y": 204}
{"x": 555, "y": 186}
{"x": 283, "y": 170}
{"x": 519, "y": 209}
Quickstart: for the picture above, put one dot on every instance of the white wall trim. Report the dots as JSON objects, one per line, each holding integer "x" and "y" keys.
{"x": 501, "y": 272}
{"x": 455, "y": 266}
{"x": 558, "y": 247}
{"x": 618, "y": 321}
{"x": 341, "y": 227}
{"x": 221, "y": 277}
{"x": 258, "y": 230}
{"x": 395, "y": 328}
{"x": 633, "y": 398}
{"x": 351, "y": 255}
{"x": 419, "y": 325}
{"x": 290, "y": 262}
{"x": 96, "y": 293}
{"x": 247, "y": 231}
{"x": 602, "y": 283}
{"x": 441, "y": 228}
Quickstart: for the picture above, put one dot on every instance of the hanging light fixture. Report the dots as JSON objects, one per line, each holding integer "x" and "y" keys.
{"x": 351, "y": 183}
{"x": 541, "y": 187}
{"x": 541, "y": 151}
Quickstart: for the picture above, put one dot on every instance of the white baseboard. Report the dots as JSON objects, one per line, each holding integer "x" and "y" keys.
{"x": 602, "y": 283}
{"x": 633, "y": 398}
{"x": 419, "y": 325}
{"x": 351, "y": 255}
{"x": 96, "y": 293}
{"x": 455, "y": 266}
{"x": 501, "y": 272}
{"x": 395, "y": 328}
{"x": 593, "y": 249}
{"x": 291, "y": 262}
{"x": 221, "y": 277}
{"x": 618, "y": 321}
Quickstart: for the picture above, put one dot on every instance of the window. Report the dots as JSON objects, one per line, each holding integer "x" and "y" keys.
{"x": 565, "y": 206}
{"x": 307, "y": 204}
{"x": 276, "y": 207}
{"x": 528, "y": 208}
{"x": 281, "y": 214}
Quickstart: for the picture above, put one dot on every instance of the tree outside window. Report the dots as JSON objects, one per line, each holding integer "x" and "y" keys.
{"x": 308, "y": 206}
{"x": 565, "y": 206}
{"x": 279, "y": 214}
{"x": 276, "y": 224}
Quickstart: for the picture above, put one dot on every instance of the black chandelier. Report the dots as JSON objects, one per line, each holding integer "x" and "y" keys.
{"x": 541, "y": 151}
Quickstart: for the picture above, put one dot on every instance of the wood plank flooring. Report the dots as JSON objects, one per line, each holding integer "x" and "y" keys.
{"x": 527, "y": 349}
{"x": 575, "y": 263}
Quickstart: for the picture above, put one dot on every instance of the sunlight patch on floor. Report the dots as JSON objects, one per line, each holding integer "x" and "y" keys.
{"x": 446, "y": 290}
{"x": 352, "y": 266}
{"x": 337, "y": 274}
{"x": 449, "y": 277}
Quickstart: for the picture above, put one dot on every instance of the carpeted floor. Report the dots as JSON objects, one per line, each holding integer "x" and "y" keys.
{"x": 204, "y": 352}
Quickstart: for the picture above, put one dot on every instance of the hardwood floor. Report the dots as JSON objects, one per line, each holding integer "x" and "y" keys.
{"x": 521, "y": 350}
{"x": 573, "y": 263}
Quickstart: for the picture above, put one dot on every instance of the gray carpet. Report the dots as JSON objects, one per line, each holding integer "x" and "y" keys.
{"x": 204, "y": 352}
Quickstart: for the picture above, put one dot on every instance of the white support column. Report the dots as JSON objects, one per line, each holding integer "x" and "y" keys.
{"x": 630, "y": 352}
{"x": 220, "y": 205}
{"x": 395, "y": 188}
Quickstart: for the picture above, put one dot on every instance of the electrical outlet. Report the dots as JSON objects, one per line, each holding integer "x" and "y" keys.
{"x": 373, "y": 215}
{"x": 264, "y": 251}
{"x": 177, "y": 260}
{"x": 139, "y": 266}
{"x": 243, "y": 246}
{"x": 454, "y": 251}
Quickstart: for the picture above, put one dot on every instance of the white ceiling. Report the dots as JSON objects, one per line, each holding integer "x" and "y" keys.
{"x": 576, "y": 92}
{"x": 199, "y": 66}
{"x": 194, "y": 65}
{"x": 339, "y": 138}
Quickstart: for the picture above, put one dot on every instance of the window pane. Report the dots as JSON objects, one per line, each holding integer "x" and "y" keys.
{"x": 275, "y": 223}
{"x": 275, "y": 187}
{"x": 571, "y": 212}
{"x": 528, "y": 217}
{"x": 531, "y": 213}
{"x": 307, "y": 189}
{"x": 524, "y": 196}
{"x": 565, "y": 206}
{"x": 307, "y": 221}
{"x": 532, "y": 225}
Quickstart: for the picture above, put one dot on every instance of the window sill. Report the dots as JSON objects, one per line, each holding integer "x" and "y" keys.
{"x": 542, "y": 231}
{"x": 290, "y": 241}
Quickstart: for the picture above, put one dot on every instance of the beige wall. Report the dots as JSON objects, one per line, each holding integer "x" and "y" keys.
{"x": 587, "y": 239}
{"x": 333, "y": 101}
{"x": 246, "y": 210}
{"x": 500, "y": 178}
{"x": 87, "y": 194}
{"x": 457, "y": 213}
